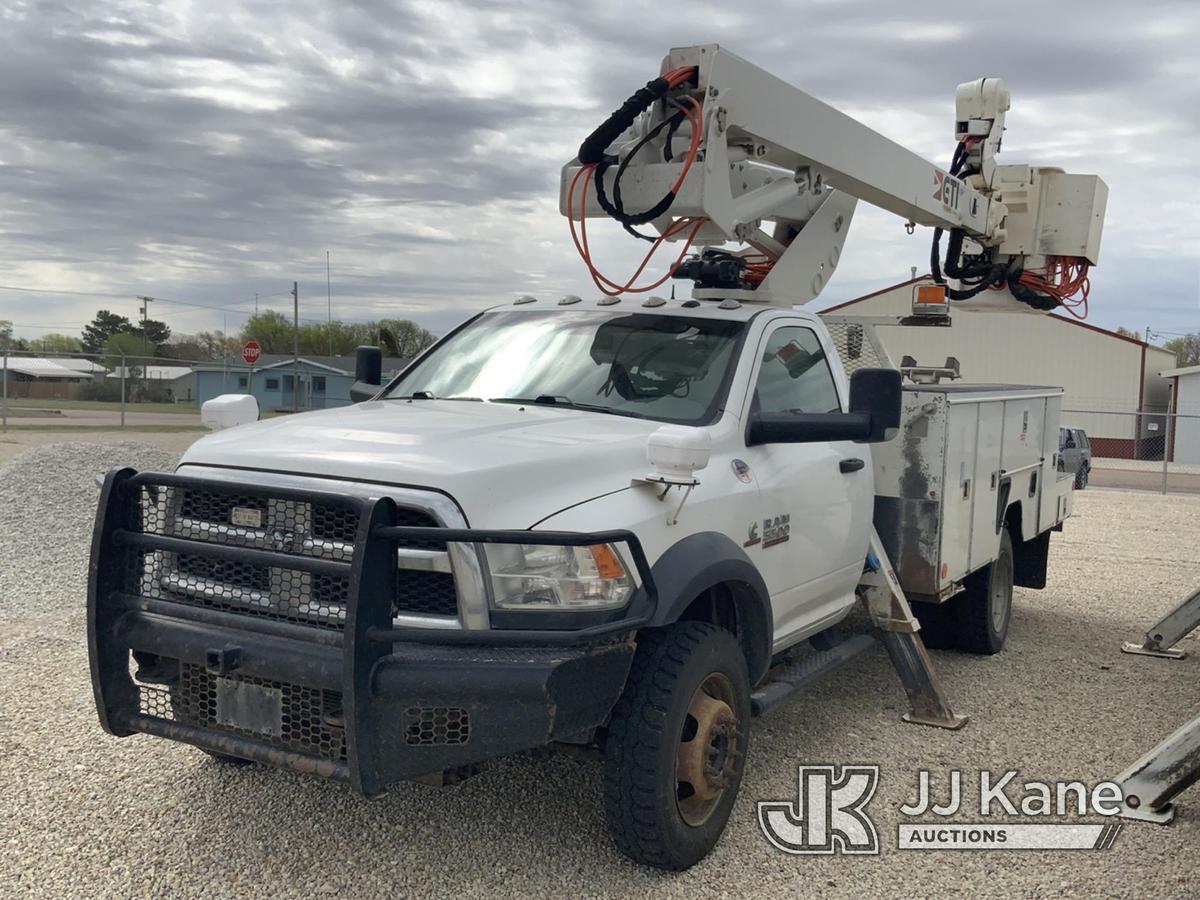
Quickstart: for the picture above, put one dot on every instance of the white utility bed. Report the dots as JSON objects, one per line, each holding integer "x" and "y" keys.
{"x": 965, "y": 454}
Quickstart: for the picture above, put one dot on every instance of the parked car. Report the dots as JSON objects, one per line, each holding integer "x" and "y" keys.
{"x": 1075, "y": 454}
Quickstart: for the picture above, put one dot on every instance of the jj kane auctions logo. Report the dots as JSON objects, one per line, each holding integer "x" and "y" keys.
{"x": 829, "y": 814}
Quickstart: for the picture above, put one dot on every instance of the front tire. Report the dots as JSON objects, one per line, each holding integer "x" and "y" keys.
{"x": 985, "y": 607}
{"x": 676, "y": 745}
{"x": 1081, "y": 478}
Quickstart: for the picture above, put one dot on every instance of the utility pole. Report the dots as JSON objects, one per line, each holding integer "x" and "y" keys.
{"x": 145, "y": 344}
{"x": 295, "y": 346}
{"x": 329, "y": 302}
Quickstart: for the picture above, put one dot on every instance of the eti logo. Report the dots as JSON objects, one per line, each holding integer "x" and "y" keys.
{"x": 828, "y": 815}
{"x": 946, "y": 189}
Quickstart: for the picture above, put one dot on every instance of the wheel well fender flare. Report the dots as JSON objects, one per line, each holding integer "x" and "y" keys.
{"x": 703, "y": 561}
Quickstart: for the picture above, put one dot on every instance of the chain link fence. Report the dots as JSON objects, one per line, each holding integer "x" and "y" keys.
{"x": 77, "y": 391}
{"x": 1146, "y": 449}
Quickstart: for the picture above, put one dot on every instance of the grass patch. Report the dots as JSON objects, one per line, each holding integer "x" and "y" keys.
{"x": 182, "y": 409}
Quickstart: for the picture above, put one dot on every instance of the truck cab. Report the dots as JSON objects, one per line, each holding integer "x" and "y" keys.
{"x": 537, "y": 417}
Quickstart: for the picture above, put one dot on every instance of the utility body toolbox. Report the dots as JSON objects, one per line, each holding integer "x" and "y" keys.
{"x": 969, "y": 459}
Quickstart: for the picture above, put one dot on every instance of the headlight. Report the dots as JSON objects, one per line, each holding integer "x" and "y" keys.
{"x": 545, "y": 577}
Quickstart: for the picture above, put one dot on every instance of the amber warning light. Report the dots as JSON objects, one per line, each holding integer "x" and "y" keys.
{"x": 930, "y": 300}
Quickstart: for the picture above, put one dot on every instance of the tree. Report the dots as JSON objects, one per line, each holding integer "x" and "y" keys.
{"x": 1186, "y": 349}
{"x": 402, "y": 337}
{"x": 153, "y": 332}
{"x": 1125, "y": 332}
{"x": 104, "y": 326}
{"x": 8, "y": 343}
{"x": 123, "y": 348}
{"x": 335, "y": 338}
{"x": 58, "y": 343}
{"x": 218, "y": 344}
{"x": 186, "y": 347}
{"x": 397, "y": 337}
{"x": 272, "y": 330}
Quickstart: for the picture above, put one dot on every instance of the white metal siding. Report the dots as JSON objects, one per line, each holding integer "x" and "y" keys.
{"x": 1097, "y": 371}
{"x": 1187, "y": 430}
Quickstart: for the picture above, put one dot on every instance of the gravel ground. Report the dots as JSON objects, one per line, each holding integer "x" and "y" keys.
{"x": 87, "y": 814}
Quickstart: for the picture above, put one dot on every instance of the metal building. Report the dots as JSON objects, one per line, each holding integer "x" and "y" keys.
{"x": 1185, "y": 438}
{"x": 1112, "y": 385}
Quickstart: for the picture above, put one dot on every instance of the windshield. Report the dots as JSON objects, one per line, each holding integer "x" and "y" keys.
{"x": 667, "y": 368}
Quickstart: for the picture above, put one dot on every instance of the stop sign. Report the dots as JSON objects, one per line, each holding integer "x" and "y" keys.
{"x": 251, "y": 352}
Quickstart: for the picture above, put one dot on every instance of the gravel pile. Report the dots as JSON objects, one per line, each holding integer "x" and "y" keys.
{"x": 87, "y": 814}
{"x": 48, "y": 501}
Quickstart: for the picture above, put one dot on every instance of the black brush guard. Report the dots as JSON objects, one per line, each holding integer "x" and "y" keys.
{"x": 362, "y": 701}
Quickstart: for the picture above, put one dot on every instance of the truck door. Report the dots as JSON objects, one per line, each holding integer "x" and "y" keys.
{"x": 817, "y": 499}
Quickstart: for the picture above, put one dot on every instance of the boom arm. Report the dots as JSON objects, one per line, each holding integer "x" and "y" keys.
{"x": 767, "y": 151}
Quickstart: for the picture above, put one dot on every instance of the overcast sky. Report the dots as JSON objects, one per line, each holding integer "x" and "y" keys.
{"x": 206, "y": 151}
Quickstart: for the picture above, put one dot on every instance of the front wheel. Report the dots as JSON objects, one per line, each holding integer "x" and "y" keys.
{"x": 676, "y": 745}
{"x": 1081, "y": 478}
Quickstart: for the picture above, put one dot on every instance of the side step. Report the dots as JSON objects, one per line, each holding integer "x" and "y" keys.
{"x": 810, "y": 668}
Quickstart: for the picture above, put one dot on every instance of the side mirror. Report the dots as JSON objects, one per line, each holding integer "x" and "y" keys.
{"x": 368, "y": 373}
{"x": 877, "y": 393}
{"x": 874, "y": 415}
{"x": 229, "y": 411}
{"x": 677, "y": 452}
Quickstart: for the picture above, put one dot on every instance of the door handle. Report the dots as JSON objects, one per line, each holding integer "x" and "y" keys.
{"x": 850, "y": 465}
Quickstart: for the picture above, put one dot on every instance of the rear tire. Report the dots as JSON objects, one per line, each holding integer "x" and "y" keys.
{"x": 676, "y": 745}
{"x": 939, "y": 625}
{"x": 985, "y": 607}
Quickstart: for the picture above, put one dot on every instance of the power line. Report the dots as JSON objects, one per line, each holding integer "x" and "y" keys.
{"x": 221, "y": 308}
{"x": 28, "y": 290}
{"x": 43, "y": 325}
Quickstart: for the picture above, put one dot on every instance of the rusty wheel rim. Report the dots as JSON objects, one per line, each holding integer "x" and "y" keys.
{"x": 706, "y": 757}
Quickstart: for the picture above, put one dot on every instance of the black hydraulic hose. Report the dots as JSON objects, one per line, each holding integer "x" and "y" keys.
{"x": 593, "y": 147}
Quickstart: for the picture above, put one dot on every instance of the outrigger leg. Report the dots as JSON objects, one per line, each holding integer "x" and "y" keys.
{"x": 899, "y": 630}
{"x": 1151, "y": 783}
{"x": 1163, "y": 635}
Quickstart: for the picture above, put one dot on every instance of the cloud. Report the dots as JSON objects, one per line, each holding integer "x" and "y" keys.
{"x": 211, "y": 151}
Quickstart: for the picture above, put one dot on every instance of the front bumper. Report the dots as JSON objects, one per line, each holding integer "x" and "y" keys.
{"x": 346, "y": 696}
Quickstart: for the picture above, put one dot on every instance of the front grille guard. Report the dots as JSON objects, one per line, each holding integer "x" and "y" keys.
{"x": 124, "y": 614}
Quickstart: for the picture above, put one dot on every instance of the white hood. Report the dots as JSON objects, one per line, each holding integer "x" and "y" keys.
{"x": 507, "y": 465}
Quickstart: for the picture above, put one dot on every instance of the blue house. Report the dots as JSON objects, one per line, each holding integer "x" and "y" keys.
{"x": 280, "y": 383}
